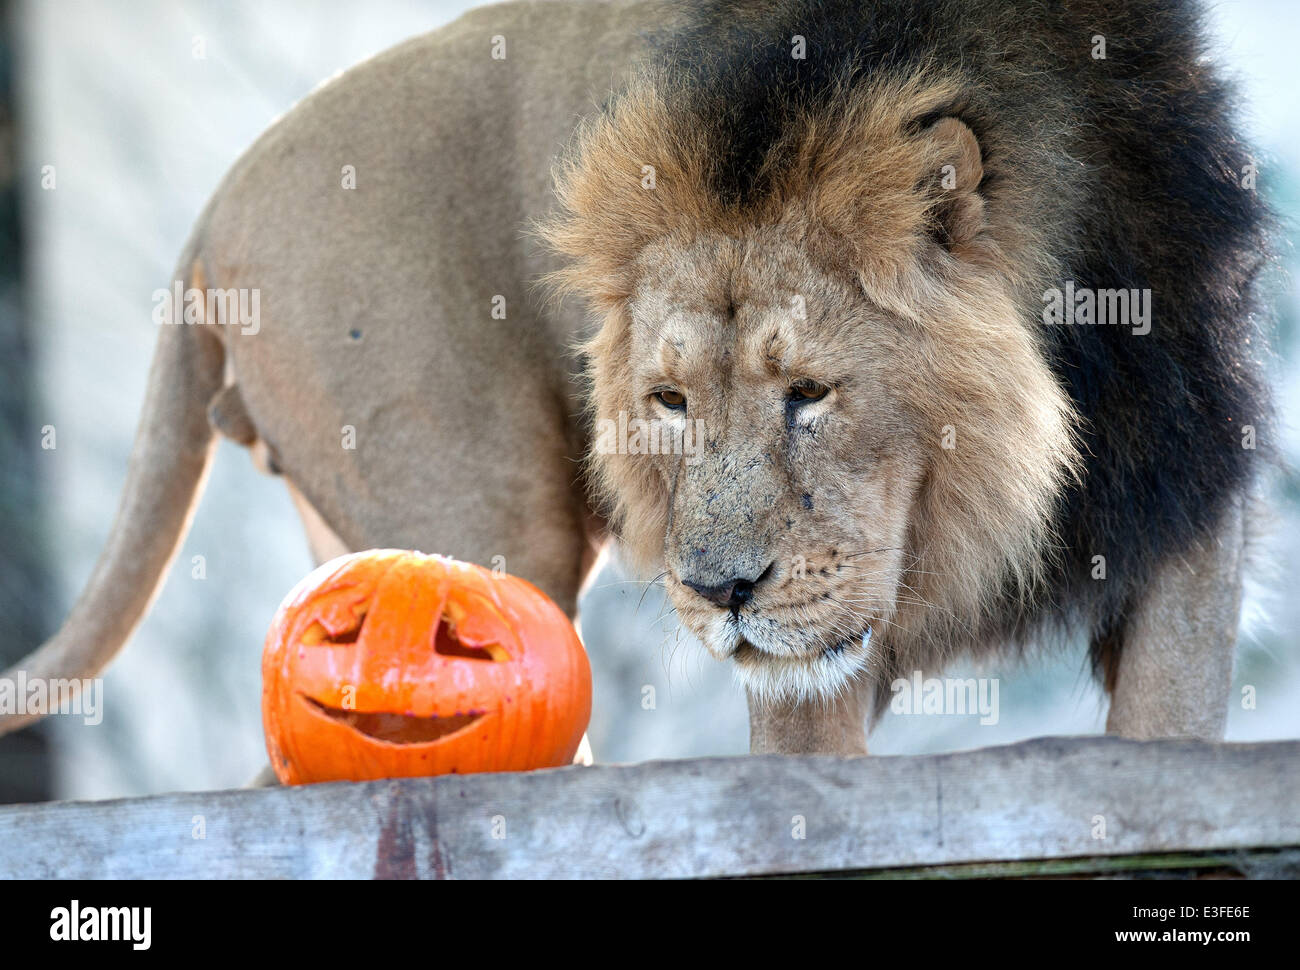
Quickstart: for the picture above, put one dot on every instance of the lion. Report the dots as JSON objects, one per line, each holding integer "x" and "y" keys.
{"x": 941, "y": 319}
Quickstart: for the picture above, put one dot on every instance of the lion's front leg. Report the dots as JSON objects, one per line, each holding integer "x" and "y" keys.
{"x": 835, "y": 726}
{"x": 1174, "y": 674}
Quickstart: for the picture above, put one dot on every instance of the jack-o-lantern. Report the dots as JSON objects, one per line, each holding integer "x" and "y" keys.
{"x": 389, "y": 663}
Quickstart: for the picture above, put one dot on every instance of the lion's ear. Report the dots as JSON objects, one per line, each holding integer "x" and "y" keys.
{"x": 954, "y": 182}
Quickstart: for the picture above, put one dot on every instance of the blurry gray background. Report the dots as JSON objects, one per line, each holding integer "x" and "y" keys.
{"x": 139, "y": 132}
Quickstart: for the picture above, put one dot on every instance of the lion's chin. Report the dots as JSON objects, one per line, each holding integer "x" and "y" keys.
{"x": 808, "y": 676}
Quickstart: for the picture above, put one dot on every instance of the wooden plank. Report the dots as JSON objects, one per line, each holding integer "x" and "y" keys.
{"x": 1038, "y": 800}
{"x": 1239, "y": 864}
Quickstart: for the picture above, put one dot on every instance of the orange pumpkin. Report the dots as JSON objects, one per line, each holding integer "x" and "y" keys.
{"x": 390, "y": 663}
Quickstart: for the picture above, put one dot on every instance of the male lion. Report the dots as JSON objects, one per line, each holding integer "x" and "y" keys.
{"x": 953, "y": 303}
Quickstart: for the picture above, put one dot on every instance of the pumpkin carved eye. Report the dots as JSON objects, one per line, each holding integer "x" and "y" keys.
{"x": 445, "y": 643}
{"x": 316, "y": 634}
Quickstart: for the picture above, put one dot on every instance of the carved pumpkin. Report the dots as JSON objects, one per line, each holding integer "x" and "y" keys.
{"x": 389, "y": 663}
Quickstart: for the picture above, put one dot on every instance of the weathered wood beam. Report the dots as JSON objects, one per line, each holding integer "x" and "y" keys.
{"x": 1237, "y": 863}
{"x": 1047, "y": 799}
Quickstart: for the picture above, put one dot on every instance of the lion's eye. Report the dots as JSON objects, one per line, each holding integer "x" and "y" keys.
{"x": 673, "y": 400}
{"x": 801, "y": 391}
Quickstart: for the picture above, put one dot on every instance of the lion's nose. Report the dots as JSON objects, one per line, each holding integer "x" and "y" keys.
{"x": 733, "y": 594}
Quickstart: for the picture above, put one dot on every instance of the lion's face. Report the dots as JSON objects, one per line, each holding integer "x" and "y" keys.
{"x": 786, "y": 507}
{"x": 822, "y": 408}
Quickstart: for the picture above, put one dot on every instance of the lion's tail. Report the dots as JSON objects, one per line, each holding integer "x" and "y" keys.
{"x": 169, "y": 462}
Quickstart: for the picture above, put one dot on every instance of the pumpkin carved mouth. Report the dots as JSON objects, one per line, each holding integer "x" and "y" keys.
{"x": 396, "y": 728}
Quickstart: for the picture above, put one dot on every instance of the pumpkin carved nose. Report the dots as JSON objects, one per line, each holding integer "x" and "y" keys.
{"x": 733, "y": 594}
